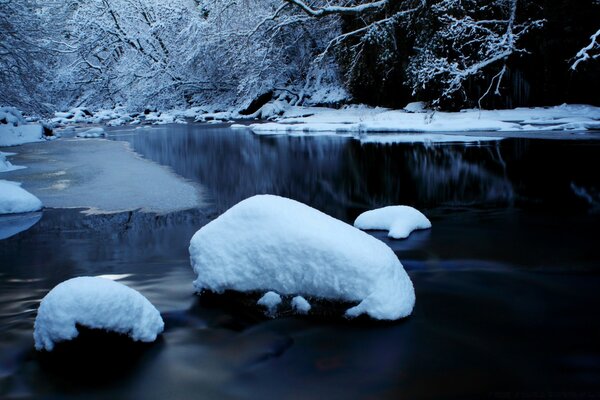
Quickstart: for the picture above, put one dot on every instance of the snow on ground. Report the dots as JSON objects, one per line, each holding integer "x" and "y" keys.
{"x": 92, "y": 133}
{"x": 361, "y": 121}
{"x": 270, "y": 301}
{"x": 95, "y": 303}
{"x": 14, "y": 199}
{"x": 300, "y": 305}
{"x": 400, "y": 221}
{"x": 272, "y": 243}
{"x": 103, "y": 176}
{"x": 15, "y": 135}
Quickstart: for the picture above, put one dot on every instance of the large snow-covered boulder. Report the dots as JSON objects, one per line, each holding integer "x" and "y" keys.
{"x": 95, "y": 303}
{"x": 269, "y": 243}
{"x": 14, "y": 199}
{"x": 400, "y": 221}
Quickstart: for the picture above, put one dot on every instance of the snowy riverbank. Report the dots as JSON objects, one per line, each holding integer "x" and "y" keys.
{"x": 365, "y": 120}
{"x": 414, "y": 123}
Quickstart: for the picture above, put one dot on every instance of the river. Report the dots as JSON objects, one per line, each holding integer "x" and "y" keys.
{"x": 507, "y": 280}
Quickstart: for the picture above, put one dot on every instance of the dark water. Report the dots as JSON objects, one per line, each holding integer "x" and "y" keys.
{"x": 507, "y": 281}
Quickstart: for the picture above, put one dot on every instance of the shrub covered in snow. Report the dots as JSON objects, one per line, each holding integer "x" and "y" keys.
{"x": 11, "y": 115}
{"x": 96, "y": 303}
{"x": 400, "y": 221}
{"x": 273, "y": 243}
{"x": 14, "y": 199}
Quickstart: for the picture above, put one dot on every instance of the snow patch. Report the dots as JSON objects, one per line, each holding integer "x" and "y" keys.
{"x": 14, "y": 199}
{"x": 363, "y": 121}
{"x": 15, "y": 135}
{"x": 96, "y": 303}
{"x": 415, "y": 107}
{"x": 400, "y": 221}
{"x": 270, "y": 301}
{"x": 272, "y": 243}
{"x": 92, "y": 133}
{"x": 300, "y": 305}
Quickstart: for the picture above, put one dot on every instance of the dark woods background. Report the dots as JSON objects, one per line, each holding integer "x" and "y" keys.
{"x": 540, "y": 77}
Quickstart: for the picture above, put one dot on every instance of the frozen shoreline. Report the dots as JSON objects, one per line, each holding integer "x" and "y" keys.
{"x": 382, "y": 125}
{"x": 373, "y": 124}
{"x": 102, "y": 176}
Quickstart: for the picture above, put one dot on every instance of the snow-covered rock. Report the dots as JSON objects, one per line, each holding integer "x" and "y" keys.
{"x": 416, "y": 107}
{"x": 11, "y": 116}
{"x": 92, "y": 133}
{"x": 272, "y": 243}
{"x": 96, "y": 303}
{"x": 400, "y": 221}
{"x": 270, "y": 301}
{"x": 300, "y": 305}
{"x": 14, "y": 199}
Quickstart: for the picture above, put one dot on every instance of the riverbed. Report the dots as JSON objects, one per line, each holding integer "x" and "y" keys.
{"x": 507, "y": 280}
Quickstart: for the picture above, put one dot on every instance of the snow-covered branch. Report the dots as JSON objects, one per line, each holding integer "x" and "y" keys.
{"x": 319, "y": 12}
{"x": 589, "y": 52}
{"x": 465, "y": 47}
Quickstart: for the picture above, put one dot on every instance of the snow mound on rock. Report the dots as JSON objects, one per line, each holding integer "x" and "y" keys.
{"x": 96, "y": 303}
{"x": 92, "y": 133}
{"x": 300, "y": 305}
{"x": 270, "y": 301}
{"x": 14, "y": 199}
{"x": 11, "y": 116}
{"x": 400, "y": 221}
{"x": 272, "y": 243}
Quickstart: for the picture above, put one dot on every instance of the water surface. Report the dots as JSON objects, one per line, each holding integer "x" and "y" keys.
{"x": 506, "y": 281}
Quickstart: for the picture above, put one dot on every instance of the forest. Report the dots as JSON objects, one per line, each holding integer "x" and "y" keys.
{"x": 240, "y": 54}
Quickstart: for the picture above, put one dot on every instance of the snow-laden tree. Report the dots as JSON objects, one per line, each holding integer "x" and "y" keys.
{"x": 455, "y": 41}
{"x": 26, "y": 51}
{"x": 125, "y": 52}
{"x": 264, "y": 47}
{"x": 467, "y": 40}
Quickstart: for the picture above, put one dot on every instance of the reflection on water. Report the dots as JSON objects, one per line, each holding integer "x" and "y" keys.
{"x": 506, "y": 281}
{"x": 342, "y": 177}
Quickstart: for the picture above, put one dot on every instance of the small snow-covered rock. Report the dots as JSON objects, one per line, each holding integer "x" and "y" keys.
{"x": 272, "y": 243}
{"x": 300, "y": 305}
{"x": 14, "y": 199}
{"x": 92, "y": 133}
{"x": 270, "y": 300}
{"x": 95, "y": 303}
{"x": 11, "y": 116}
{"x": 416, "y": 107}
{"x": 400, "y": 221}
